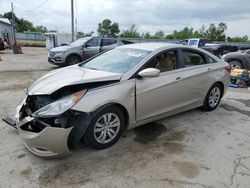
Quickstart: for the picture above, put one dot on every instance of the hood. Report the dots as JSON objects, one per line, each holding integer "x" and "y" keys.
{"x": 233, "y": 54}
{"x": 59, "y": 48}
{"x": 71, "y": 75}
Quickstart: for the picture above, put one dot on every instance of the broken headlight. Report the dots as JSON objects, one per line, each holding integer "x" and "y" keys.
{"x": 60, "y": 106}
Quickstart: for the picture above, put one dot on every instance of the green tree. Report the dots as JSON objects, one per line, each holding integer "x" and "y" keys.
{"x": 41, "y": 29}
{"x": 82, "y": 34}
{"x": 108, "y": 29}
{"x": 146, "y": 35}
{"x": 22, "y": 25}
{"x": 159, "y": 35}
{"x": 238, "y": 39}
{"x": 216, "y": 33}
{"x": 131, "y": 32}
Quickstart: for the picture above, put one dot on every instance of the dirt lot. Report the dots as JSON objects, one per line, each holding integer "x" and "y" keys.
{"x": 192, "y": 149}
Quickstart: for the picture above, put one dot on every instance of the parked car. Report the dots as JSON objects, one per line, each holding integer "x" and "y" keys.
{"x": 208, "y": 45}
{"x": 120, "y": 89}
{"x": 238, "y": 60}
{"x": 81, "y": 50}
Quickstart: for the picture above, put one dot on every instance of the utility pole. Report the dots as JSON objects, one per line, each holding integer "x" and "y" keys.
{"x": 13, "y": 20}
{"x": 72, "y": 20}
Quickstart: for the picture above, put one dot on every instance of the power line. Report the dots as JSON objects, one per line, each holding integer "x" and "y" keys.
{"x": 33, "y": 9}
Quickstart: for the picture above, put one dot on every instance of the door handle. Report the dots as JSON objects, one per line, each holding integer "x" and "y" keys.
{"x": 178, "y": 78}
{"x": 209, "y": 69}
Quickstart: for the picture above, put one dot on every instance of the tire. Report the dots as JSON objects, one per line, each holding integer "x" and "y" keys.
{"x": 236, "y": 65}
{"x": 213, "y": 97}
{"x": 94, "y": 136}
{"x": 73, "y": 59}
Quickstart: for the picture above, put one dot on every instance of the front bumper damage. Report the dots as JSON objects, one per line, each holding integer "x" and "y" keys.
{"x": 50, "y": 142}
{"x": 46, "y": 139}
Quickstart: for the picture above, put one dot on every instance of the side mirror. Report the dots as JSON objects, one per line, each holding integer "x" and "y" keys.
{"x": 86, "y": 45}
{"x": 149, "y": 72}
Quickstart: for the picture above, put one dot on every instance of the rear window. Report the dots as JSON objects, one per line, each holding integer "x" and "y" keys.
{"x": 192, "y": 58}
{"x": 107, "y": 42}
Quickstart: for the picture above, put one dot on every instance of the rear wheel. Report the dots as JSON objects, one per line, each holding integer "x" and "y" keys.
{"x": 106, "y": 128}
{"x": 73, "y": 59}
{"x": 213, "y": 97}
{"x": 236, "y": 65}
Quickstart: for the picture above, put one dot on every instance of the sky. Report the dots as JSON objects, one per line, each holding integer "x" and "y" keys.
{"x": 147, "y": 15}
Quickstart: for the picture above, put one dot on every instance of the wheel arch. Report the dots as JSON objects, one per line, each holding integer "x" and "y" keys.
{"x": 73, "y": 54}
{"x": 239, "y": 60}
{"x": 222, "y": 86}
{"x": 121, "y": 107}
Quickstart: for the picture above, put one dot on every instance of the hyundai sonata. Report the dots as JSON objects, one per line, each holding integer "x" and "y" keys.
{"x": 131, "y": 85}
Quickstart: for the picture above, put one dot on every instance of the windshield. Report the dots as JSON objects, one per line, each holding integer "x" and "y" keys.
{"x": 79, "y": 42}
{"x": 118, "y": 60}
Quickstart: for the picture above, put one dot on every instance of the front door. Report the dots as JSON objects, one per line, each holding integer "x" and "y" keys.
{"x": 158, "y": 95}
{"x": 92, "y": 48}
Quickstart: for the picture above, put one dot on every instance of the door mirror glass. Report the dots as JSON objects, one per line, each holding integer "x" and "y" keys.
{"x": 86, "y": 45}
{"x": 149, "y": 72}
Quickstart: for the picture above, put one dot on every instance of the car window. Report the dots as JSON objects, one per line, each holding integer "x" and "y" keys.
{"x": 94, "y": 42}
{"x": 164, "y": 62}
{"x": 192, "y": 58}
{"x": 193, "y": 43}
{"x": 184, "y": 42}
{"x": 107, "y": 42}
{"x": 78, "y": 42}
{"x": 211, "y": 60}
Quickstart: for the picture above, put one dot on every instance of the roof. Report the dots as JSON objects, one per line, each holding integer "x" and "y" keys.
{"x": 5, "y": 20}
{"x": 150, "y": 46}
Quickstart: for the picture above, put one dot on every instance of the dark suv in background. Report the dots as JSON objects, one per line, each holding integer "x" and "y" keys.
{"x": 82, "y": 49}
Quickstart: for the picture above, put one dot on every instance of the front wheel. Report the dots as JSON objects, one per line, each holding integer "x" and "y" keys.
{"x": 213, "y": 97}
{"x": 73, "y": 59}
{"x": 105, "y": 129}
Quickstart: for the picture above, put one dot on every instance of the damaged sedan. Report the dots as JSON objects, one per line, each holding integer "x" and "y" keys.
{"x": 97, "y": 100}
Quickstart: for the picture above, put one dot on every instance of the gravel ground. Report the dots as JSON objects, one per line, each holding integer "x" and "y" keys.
{"x": 192, "y": 149}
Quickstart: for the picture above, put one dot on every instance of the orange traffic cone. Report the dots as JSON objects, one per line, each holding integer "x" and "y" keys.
{"x": 1, "y": 59}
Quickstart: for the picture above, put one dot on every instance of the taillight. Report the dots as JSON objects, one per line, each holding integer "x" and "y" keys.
{"x": 228, "y": 68}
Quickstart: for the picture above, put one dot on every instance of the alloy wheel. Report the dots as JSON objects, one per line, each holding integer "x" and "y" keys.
{"x": 107, "y": 128}
{"x": 214, "y": 97}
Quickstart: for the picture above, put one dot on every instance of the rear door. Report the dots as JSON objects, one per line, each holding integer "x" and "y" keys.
{"x": 108, "y": 44}
{"x": 92, "y": 47}
{"x": 200, "y": 71}
{"x": 158, "y": 95}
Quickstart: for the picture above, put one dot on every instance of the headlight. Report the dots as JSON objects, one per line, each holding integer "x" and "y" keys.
{"x": 60, "y": 52}
{"x": 60, "y": 106}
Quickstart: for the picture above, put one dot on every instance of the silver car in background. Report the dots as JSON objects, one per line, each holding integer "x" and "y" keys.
{"x": 120, "y": 89}
{"x": 81, "y": 49}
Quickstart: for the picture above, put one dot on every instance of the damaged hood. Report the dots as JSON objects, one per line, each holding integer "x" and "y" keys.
{"x": 71, "y": 75}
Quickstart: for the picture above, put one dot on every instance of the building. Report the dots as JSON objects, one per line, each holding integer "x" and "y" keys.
{"x": 6, "y": 29}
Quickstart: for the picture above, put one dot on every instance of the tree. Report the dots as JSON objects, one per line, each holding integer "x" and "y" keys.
{"x": 22, "y": 25}
{"x": 238, "y": 39}
{"x": 82, "y": 34}
{"x": 146, "y": 35}
{"x": 216, "y": 33}
{"x": 131, "y": 32}
{"x": 41, "y": 29}
{"x": 159, "y": 35}
{"x": 108, "y": 29}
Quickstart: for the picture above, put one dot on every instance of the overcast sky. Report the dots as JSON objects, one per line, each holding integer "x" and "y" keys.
{"x": 148, "y": 15}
